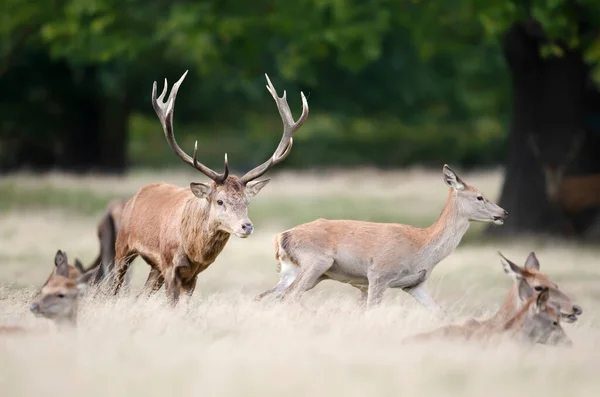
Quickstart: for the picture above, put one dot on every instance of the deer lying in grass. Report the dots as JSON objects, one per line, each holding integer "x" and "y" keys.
{"x": 58, "y": 300}
{"x": 375, "y": 256}
{"x": 180, "y": 231}
{"x": 538, "y": 281}
{"x": 537, "y": 321}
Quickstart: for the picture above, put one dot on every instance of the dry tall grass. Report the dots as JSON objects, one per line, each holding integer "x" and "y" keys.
{"x": 224, "y": 343}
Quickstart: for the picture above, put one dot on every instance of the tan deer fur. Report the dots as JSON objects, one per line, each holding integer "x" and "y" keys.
{"x": 537, "y": 321}
{"x": 180, "y": 231}
{"x": 530, "y": 272}
{"x": 375, "y": 256}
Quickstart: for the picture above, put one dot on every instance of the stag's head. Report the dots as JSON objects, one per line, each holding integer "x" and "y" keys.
{"x": 59, "y": 297}
{"x": 538, "y": 281}
{"x": 471, "y": 202}
{"x": 228, "y": 196}
{"x": 542, "y": 321}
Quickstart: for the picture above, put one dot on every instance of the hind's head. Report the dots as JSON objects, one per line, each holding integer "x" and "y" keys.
{"x": 537, "y": 280}
{"x": 59, "y": 297}
{"x": 471, "y": 203}
{"x": 543, "y": 315}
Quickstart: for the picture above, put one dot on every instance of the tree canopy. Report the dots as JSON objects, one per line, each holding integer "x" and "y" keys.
{"x": 389, "y": 82}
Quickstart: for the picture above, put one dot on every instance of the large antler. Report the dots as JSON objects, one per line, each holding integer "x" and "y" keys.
{"x": 164, "y": 111}
{"x": 289, "y": 127}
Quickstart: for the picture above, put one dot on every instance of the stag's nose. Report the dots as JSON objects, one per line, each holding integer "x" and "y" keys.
{"x": 505, "y": 213}
{"x": 34, "y": 307}
{"x": 577, "y": 310}
{"x": 247, "y": 228}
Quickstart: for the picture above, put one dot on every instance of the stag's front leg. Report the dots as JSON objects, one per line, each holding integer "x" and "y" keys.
{"x": 187, "y": 289}
{"x": 172, "y": 286}
{"x": 180, "y": 279}
{"x": 421, "y": 295}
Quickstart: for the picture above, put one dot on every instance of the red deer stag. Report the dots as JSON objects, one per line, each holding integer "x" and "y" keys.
{"x": 180, "y": 231}
{"x": 375, "y": 256}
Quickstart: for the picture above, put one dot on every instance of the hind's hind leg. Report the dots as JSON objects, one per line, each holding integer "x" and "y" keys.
{"x": 311, "y": 275}
{"x": 289, "y": 272}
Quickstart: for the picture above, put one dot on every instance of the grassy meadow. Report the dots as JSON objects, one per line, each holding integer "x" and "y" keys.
{"x": 224, "y": 343}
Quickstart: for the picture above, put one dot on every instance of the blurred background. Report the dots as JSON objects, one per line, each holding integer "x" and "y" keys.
{"x": 391, "y": 84}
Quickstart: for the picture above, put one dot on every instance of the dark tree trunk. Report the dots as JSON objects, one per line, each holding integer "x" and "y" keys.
{"x": 55, "y": 118}
{"x": 551, "y": 104}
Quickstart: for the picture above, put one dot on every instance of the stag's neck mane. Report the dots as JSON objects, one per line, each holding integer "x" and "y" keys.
{"x": 444, "y": 235}
{"x": 202, "y": 240}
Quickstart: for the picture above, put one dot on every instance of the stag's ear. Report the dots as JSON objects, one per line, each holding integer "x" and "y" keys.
{"x": 452, "y": 179}
{"x": 200, "y": 190}
{"x": 62, "y": 266}
{"x": 532, "y": 262}
{"x": 510, "y": 268}
{"x": 253, "y": 187}
{"x": 525, "y": 291}
{"x": 79, "y": 266}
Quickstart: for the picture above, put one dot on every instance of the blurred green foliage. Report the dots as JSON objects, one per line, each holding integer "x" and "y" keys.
{"x": 389, "y": 82}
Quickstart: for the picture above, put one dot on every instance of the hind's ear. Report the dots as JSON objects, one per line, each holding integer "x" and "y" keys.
{"x": 510, "y": 268}
{"x": 62, "y": 266}
{"x": 84, "y": 280}
{"x": 79, "y": 266}
{"x": 525, "y": 291}
{"x": 532, "y": 262}
{"x": 452, "y": 179}
{"x": 60, "y": 258}
{"x": 542, "y": 299}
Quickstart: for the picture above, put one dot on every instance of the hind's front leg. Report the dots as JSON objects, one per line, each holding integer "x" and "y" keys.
{"x": 421, "y": 295}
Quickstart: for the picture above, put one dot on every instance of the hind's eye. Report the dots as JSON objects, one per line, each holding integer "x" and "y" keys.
{"x": 60, "y": 295}
{"x": 538, "y": 288}
{"x": 555, "y": 323}
{"x": 220, "y": 202}
{"x": 480, "y": 198}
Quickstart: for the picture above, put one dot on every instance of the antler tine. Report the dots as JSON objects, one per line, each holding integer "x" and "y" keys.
{"x": 164, "y": 111}
{"x": 222, "y": 176}
{"x": 289, "y": 128}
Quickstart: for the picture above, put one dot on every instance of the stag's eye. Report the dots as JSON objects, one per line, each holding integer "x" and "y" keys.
{"x": 220, "y": 202}
{"x": 538, "y": 288}
{"x": 60, "y": 296}
{"x": 555, "y": 323}
{"x": 480, "y": 198}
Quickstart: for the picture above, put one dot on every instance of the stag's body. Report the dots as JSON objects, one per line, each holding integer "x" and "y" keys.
{"x": 179, "y": 231}
{"x": 172, "y": 230}
{"x": 513, "y": 303}
{"x": 375, "y": 256}
{"x": 537, "y": 321}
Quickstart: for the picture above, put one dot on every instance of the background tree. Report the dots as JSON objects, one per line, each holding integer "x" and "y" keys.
{"x": 391, "y": 83}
